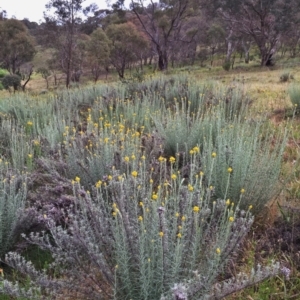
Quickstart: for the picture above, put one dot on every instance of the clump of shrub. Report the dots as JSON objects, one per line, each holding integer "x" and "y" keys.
{"x": 285, "y": 77}
{"x": 13, "y": 192}
{"x": 226, "y": 65}
{"x": 2, "y": 73}
{"x": 254, "y": 160}
{"x": 165, "y": 174}
{"x": 294, "y": 93}
{"x": 130, "y": 239}
{"x": 13, "y": 81}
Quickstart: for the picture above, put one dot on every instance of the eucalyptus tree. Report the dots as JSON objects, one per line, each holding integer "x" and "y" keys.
{"x": 163, "y": 23}
{"x": 265, "y": 21}
{"x": 63, "y": 18}
{"x": 98, "y": 52}
{"x": 127, "y": 43}
{"x": 17, "y": 45}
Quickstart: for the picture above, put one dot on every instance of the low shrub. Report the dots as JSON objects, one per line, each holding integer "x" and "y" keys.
{"x": 13, "y": 81}
{"x": 285, "y": 77}
{"x": 12, "y": 205}
{"x": 127, "y": 238}
{"x": 3, "y": 73}
{"x": 254, "y": 159}
{"x": 294, "y": 93}
{"x": 226, "y": 65}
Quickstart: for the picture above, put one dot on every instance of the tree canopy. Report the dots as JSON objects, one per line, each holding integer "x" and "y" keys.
{"x": 17, "y": 45}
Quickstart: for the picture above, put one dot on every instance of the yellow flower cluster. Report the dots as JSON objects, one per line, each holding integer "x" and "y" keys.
{"x": 154, "y": 196}
{"x": 98, "y": 184}
{"x": 172, "y": 159}
{"x": 173, "y": 176}
{"x": 195, "y": 150}
{"x": 190, "y": 188}
{"x": 196, "y": 209}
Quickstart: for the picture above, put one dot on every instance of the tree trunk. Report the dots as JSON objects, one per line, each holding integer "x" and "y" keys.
{"x": 246, "y": 47}
{"x": 29, "y": 76}
{"x": 266, "y": 57}
{"x": 68, "y": 78}
{"x": 247, "y": 57}
{"x": 230, "y": 46}
{"x": 162, "y": 59}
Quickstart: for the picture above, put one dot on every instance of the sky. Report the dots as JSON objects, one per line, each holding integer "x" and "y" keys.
{"x": 33, "y": 9}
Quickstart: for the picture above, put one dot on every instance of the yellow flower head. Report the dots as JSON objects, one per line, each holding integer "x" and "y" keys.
{"x": 214, "y": 154}
{"x": 177, "y": 215}
{"x": 250, "y": 207}
{"x": 231, "y": 219}
{"x": 141, "y": 203}
{"x": 154, "y": 196}
{"x": 126, "y": 158}
{"x": 77, "y": 179}
{"x": 192, "y": 152}
{"x": 228, "y": 202}
{"x": 196, "y": 209}
{"x": 201, "y": 174}
{"x": 183, "y": 218}
{"x": 242, "y": 191}
{"x": 229, "y": 170}
{"x": 179, "y": 235}
{"x": 196, "y": 149}
{"x": 190, "y": 188}
{"x": 134, "y": 173}
{"x": 29, "y": 123}
{"x": 172, "y": 159}
{"x": 109, "y": 177}
{"x": 218, "y": 250}
{"x": 161, "y": 234}
{"x": 151, "y": 180}
{"x": 98, "y": 184}
{"x": 140, "y": 218}
{"x": 161, "y": 159}
{"x": 173, "y": 176}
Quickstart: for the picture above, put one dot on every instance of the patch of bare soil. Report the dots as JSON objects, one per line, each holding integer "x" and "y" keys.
{"x": 282, "y": 239}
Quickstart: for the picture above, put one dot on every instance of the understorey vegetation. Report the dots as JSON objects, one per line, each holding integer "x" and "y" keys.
{"x": 135, "y": 191}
